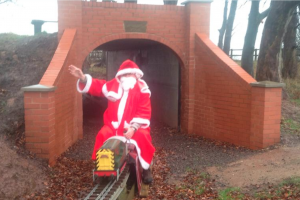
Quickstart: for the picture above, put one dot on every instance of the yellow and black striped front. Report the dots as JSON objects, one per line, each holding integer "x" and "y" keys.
{"x": 105, "y": 160}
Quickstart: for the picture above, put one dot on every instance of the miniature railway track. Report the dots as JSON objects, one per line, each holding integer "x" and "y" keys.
{"x": 109, "y": 189}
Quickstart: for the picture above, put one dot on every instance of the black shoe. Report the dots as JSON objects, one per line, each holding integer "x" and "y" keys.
{"x": 147, "y": 176}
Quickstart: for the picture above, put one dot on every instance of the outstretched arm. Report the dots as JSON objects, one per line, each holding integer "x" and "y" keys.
{"x": 86, "y": 83}
{"x": 77, "y": 72}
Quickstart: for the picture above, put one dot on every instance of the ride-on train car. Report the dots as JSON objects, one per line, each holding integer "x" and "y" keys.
{"x": 118, "y": 172}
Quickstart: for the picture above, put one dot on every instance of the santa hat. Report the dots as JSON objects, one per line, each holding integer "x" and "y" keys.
{"x": 129, "y": 67}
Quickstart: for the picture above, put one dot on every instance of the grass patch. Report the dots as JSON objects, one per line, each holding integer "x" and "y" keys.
{"x": 195, "y": 185}
{"x": 296, "y": 101}
{"x": 11, "y": 36}
{"x": 291, "y": 126}
{"x": 293, "y": 88}
{"x": 263, "y": 195}
{"x": 204, "y": 175}
{"x": 189, "y": 170}
{"x": 288, "y": 189}
{"x": 200, "y": 190}
{"x": 230, "y": 193}
{"x": 294, "y": 181}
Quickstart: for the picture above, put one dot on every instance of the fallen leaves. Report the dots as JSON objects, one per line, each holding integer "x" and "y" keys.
{"x": 72, "y": 179}
{"x": 68, "y": 179}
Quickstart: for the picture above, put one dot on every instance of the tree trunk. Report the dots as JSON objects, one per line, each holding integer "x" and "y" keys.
{"x": 223, "y": 28}
{"x": 229, "y": 26}
{"x": 268, "y": 60}
{"x": 249, "y": 44}
{"x": 289, "y": 53}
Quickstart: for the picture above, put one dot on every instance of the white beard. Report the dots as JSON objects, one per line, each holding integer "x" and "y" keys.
{"x": 127, "y": 83}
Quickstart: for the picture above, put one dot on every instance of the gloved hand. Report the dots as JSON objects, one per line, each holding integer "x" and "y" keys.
{"x": 76, "y": 72}
{"x": 130, "y": 132}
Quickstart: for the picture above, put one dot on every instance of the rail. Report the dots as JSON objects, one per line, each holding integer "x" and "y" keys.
{"x": 109, "y": 189}
{"x": 236, "y": 56}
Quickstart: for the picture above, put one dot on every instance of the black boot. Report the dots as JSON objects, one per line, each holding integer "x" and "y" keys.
{"x": 147, "y": 176}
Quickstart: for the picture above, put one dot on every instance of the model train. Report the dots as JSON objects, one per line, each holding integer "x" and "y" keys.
{"x": 114, "y": 156}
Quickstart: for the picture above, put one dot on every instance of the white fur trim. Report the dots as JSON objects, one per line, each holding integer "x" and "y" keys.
{"x": 145, "y": 88}
{"x": 126, "y": 125}
{"x": 115, "y": 124}
{"x": 145, "y": 123}
{"x": 122, "y": 105}
{"x": 112, "y": 96}
{"x": 87, "y": 84}
{"x": 131, "y": 71}
{"x": 144, "y": 164}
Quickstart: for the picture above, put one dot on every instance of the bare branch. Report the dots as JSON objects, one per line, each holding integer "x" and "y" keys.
{"x": 5, "y": 1}
{"x": 243, "y": 4}
{"x": 263, "y": 15}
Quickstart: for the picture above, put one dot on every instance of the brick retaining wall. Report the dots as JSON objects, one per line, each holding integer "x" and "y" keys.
{"x": 219, "y": 100}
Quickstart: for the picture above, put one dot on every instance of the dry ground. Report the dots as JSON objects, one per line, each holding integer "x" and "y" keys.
{"x": 22, "y": 63}
{"x": 178, "y": 160}
{"x": 271, "y": 165}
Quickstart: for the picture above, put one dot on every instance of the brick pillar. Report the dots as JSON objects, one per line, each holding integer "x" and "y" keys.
{"x": 265, "y": 114}
{"x": 197, "y": 16}
{"x": 39, "y": 106}
{"x": 70, "y": 16}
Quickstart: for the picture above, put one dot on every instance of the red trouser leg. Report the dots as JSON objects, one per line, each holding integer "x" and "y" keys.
{"x": 104, "y": 133}
{"x": 144, "y": 141}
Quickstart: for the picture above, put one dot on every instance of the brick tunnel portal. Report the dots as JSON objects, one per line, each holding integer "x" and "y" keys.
{"x": 161, "y": 69}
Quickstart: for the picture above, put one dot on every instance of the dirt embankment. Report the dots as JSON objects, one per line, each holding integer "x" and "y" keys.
{"x": 23, "y": 61}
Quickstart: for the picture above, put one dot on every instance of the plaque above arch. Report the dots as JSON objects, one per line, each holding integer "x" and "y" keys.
{"x": 135, "y": 26}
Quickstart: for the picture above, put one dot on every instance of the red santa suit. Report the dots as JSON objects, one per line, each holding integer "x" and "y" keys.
{"x": 124, "y": 108}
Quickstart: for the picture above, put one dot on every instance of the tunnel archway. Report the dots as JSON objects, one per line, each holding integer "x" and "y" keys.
{"x": 161, "y": 67}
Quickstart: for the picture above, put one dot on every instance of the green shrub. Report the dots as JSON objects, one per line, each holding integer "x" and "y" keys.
{"x": 293, "y": 86}
{"x": 230, "y": 193}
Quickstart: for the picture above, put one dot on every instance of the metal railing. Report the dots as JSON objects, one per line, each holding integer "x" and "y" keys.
{"x": 238, "y": 56}
{"x": 96, "y": 55}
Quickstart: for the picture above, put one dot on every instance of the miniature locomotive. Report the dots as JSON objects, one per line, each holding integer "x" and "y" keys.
{"x": 114, "y": 156}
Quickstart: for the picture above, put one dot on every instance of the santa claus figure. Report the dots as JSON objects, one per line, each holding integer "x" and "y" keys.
{"x": 128, "y": 110}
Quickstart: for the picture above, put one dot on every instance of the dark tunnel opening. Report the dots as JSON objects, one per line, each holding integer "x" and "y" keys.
{"x": 161, "y": 69}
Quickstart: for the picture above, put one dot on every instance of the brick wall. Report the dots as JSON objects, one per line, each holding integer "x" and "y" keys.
{"x": 104, "y": 21}
{"x": 70, "y": 17}
{"x": 173, "y": 26}
{"x": 40, "y": 122}
{"x": 217, "y": 100}
{"x": 230, "y": 105}
{"x": 223, "y": 96}
{"x": 196, "y": 21}
{"x": 53, "y": 110}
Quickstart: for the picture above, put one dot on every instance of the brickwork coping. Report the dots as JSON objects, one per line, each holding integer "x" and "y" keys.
{"x": 267, "y": 84}
{"x": 38, "y": 88}
{"x": 130, "y": 1}
{"x": 170, "y": 2}
{"x": 40, "y": 120}
{"x": 197, "y": 1}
